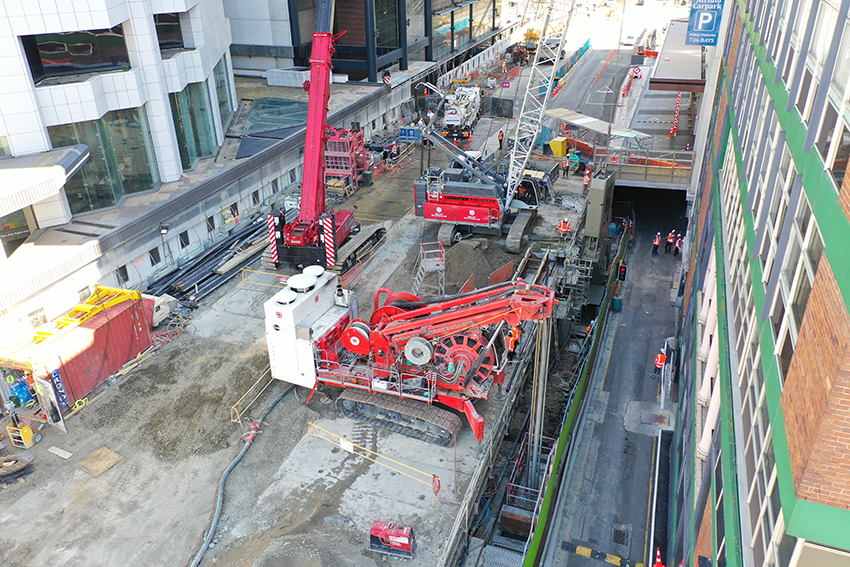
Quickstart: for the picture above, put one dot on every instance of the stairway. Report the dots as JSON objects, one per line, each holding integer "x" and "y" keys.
{"x": 432, "y": 260}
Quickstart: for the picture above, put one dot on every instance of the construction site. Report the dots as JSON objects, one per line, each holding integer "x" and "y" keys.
{"x": 398, "y": 359}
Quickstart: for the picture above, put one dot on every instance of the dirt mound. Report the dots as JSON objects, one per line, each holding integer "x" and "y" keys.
{"x": 475, "y": 256}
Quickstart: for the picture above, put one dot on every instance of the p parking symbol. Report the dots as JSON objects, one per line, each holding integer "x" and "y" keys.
{"x": 705, "y": 21}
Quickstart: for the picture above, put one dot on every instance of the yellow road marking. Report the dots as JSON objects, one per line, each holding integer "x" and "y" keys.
{"x": 582, "y": 550}
{"x": 612, "y": 559}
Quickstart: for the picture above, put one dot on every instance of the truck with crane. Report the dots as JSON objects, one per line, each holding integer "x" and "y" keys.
{"x": 318, "y": 235}
{"x": 462, "y": 111}
{"x": 410, "y": 355}
{"x": 477, "y": 198}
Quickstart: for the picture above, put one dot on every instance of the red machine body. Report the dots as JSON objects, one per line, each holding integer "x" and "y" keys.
{"x": 385, "y": 537}
{"x": 443, "y": 350}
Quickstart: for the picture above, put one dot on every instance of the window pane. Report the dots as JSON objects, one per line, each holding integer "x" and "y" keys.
{"x": 65, "y": 53}
{"x": 801, "y": 298}
{"x": 121, "y": 159}
{"x": 842, "y": 63}
{"x": 222, "y": 91}
{"x": 190, "y": 110}
{"x": 827, "y": 130}
{"x": 168, "y": 31}
{"x": 839, "y": 165}
{"x": 804, "y": 93}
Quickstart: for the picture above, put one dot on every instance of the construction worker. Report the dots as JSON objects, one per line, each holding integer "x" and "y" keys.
{"x": 501, "y": 138}
{"x": 565, "y": 228}
{"x": 504, "y": 67}
{"x": 671, "y": 238}
{"x": 660, "y": 359}
{"x": 655, "y": 243}
{"x": 678, "y": 246}
{"x": 513, "y": 341}
{"x": 395, "y": 152}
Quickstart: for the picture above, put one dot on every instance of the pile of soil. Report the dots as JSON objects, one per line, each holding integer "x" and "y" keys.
{"x": 475, "y": 256}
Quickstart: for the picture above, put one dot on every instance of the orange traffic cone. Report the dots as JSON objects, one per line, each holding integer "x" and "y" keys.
{"x": 658, "y": 562}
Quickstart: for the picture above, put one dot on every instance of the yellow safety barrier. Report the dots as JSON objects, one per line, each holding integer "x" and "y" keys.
{"x": 343, "y": 443}
{"x": 236, "y": 413}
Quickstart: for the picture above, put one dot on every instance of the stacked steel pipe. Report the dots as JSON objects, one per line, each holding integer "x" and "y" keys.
{"x": 197, "y": 278}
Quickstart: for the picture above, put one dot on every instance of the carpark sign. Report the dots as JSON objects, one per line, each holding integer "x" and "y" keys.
{"x": 704, "y": 23}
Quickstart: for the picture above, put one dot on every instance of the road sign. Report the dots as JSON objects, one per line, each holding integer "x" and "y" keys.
{"x": 704, "y": 23}
{"x": 506, "y": 84}
{"x": 636, "y": 72}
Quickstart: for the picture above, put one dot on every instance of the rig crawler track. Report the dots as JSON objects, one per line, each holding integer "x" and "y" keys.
{"x": 412, "y": 418}
{"x": 357, "y": 245}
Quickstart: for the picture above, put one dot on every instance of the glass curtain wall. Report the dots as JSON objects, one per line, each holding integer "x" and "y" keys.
{"x": 386, "y": 23}
{"x": 462, "y": 35}
{"x": 222, "y": 91}
{"x": 193, "y": 124}
{"x": 121, "y": 159}
{"x": 482, "y": 18}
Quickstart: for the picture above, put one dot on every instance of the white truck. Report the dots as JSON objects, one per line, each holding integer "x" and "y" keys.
{"x": 462, "y": 110}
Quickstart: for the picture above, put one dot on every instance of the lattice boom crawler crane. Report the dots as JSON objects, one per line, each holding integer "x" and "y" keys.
{"x": 409, "y": 355}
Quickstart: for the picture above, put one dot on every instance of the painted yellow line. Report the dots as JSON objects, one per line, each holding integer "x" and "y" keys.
{"x": 649, "y": 500}
{"x": 582, "y": 550}
{"x": 613, "y": 559}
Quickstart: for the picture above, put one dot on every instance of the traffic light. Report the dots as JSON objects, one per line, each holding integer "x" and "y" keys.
{"x": 621, "y": 274}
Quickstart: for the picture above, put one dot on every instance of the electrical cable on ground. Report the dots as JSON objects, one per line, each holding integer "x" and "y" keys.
{"x": 219, "y": 498}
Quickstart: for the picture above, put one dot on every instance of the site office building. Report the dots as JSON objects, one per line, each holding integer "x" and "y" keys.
{"x": 763, "y": 448}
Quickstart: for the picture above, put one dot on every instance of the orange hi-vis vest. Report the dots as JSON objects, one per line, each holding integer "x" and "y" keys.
{"x": 679, "y": 243}
{"x": 657, "y": 240}
{"x": 671, "y": 237}
{"x": 660, "y": 359}
{"x": 564, "y": 227}
{"x": 513, "y": 338}
{"x": 501, "y": 135}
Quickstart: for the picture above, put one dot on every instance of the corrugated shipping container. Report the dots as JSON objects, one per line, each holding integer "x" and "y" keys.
{"x": 91, "y": 352}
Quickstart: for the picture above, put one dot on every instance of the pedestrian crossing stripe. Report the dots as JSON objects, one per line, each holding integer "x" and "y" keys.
{"x": 593, "y": 554}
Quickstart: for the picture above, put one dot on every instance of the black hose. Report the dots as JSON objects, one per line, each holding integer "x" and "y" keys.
{"x": 219, "y": 500}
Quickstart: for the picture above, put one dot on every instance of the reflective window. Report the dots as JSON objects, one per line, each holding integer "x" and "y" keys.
{"x": 386, "y": 23}
{"x": 66, "y": 53}
{"x": 168, "y": 31}
{"x": 482, "y": 18}
{"x": 193, "y": 124}
{"x": 462, "y": 35}
{"x": 222, "y": 91}
{"x": 121, "y": 160}
{"x": 441, "y": 34}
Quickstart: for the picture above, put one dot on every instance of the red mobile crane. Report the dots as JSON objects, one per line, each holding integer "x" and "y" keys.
{"x": 315, "y": 236}
{"x": 411, "y": 354}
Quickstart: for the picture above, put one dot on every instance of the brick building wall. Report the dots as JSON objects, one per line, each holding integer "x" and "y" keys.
{"x": 816, "y": 397}
{"x": 705, "y": 543}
